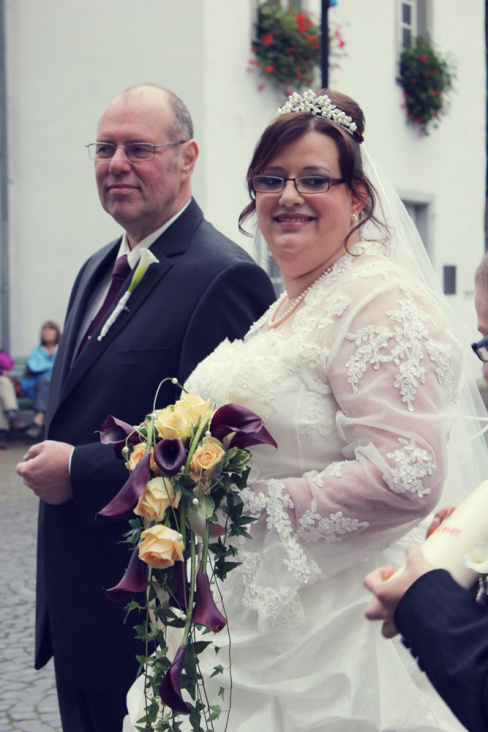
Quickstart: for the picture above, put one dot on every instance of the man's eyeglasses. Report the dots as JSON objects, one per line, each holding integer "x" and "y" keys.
{"x": 137, "y": 152}
{"x": 304, "y": 184}
{"x": 481, "y": 349}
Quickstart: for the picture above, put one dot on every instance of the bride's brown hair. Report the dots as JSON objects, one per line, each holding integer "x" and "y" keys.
{"x": 291, "y": 126}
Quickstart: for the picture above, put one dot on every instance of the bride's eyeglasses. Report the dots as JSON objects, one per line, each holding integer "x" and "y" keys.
{"x": 481, "y": 349}
{"x": 304, "y": 184}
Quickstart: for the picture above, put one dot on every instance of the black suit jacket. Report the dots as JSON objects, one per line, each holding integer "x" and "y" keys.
{"x": 204, "y": 289}
{"x": 447, "y": 631}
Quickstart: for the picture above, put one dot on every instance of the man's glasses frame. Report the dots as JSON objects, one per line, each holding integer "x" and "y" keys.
{"x": 137, "y": 152}
{"x": 308, "y": 184}
{"x": 481, "y": 349}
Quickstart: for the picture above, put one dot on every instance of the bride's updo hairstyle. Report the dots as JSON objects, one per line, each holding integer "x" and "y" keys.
{"x": 347, "y": 134}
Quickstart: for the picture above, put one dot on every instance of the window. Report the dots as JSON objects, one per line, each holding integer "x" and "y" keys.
{"x": 414, "y": 19}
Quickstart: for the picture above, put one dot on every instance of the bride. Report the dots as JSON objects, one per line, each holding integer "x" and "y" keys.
{"x": 355, "y": 371}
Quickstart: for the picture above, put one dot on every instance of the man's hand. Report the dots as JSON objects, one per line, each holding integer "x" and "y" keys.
{"x": 388, "y": 592}
{"x": 45, "y": 470}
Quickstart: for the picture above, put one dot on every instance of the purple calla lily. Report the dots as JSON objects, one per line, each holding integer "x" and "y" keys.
{"x": 206, "y": 611}
{"x": 133, "y": 581}
{"x": 170, "y": 456}
{"x": 126, "y": 499}
{"x": 248, "y": 427}
{"x": 170, "y": 690}
{"x": 117, "y": 433}
{"x": 179, "y": 594}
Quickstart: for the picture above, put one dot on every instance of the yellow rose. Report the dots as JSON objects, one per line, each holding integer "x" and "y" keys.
{"x": 208, "y": 457}
{"x": 137, "y": 453}
{"x": 161, "y": 547}
{"x": 194, "y": 405}
{"x": 156, "y": 499}
{"x": 171, "y": 425}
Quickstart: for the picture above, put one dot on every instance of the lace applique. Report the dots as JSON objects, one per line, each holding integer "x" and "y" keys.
{"x": 440, "y": 354}
{"x": 413, "y": 464}
{"x": 334, "y": 307}
{"x": 373, "y": 349}
{"x": 314, "y": 528}
{"x": 268, "y": 600}
{"x": 274, "y": 606}
{"x": 331, "y": 471}
{"x": 318, "y": 422}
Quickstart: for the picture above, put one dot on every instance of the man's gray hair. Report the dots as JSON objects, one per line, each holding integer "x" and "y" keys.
{"x": 183, "y": 125}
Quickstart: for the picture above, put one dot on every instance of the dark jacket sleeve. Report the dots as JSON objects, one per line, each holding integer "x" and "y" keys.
{"x": 232, "y": 302}
{"x": 446, "y": 630}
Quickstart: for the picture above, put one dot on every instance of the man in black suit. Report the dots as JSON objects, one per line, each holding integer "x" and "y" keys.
{"x": 441, "y": 622}
{"x": 444, "y": 628}
{"x": 203, "y": 289}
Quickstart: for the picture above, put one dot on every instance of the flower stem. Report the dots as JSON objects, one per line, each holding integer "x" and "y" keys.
{"x": 193, "y": 575}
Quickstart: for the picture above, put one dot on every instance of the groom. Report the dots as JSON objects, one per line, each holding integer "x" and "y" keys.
{"x": 203, "y": 289}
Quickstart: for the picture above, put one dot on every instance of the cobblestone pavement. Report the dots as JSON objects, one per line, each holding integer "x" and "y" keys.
{"x": 28, "y": 701}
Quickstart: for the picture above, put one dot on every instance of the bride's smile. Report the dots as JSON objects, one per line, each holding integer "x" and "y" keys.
{"x": 305, "y": 232}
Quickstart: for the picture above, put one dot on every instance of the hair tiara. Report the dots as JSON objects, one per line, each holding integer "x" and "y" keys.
{"x": 320, "y": 106}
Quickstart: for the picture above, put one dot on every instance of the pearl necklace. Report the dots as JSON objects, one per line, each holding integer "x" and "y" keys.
{"x": 273, "y": 322}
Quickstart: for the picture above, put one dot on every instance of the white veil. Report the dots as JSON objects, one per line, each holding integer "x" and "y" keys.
{"x": 467, "y": 450}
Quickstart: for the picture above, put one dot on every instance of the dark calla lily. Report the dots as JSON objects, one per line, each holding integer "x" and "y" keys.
{"x": 170, "y": 690}
{"x": 116, "y": 432}
{"x": 133, "y": 581}
{"x": 170, "y": 456}
{"x": 179, "y": 594}
{"x": 126, "y": 499}
{"x": 248, "y": 427}
{"x": 206, "y": 611}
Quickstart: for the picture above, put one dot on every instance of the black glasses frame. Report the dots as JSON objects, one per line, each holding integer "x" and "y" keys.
{"x": 481, "y": 349}
{"x": 330, "y": 182}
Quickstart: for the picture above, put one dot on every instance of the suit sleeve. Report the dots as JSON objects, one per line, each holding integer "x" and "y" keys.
{"x": 234, "y": 300}
{"x": 447, "y": 632}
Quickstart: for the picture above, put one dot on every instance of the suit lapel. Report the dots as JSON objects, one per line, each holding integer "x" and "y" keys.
{"x": 173, "y": 242}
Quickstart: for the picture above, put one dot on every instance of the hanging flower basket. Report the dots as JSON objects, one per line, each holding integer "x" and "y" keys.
{"x": 287, "y": 50}
{"x": 426, "y": 78}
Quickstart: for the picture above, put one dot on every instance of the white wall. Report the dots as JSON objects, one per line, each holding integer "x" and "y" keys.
{"x": 65, "y": 62}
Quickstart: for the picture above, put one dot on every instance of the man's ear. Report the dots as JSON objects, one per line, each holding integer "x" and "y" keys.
{"x": 188, "y": 157}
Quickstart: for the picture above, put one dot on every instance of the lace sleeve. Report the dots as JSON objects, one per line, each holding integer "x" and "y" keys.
{"x": 393, "y": 366}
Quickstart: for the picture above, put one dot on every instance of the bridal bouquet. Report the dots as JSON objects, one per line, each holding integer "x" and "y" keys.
{"x": 187, "y": 462}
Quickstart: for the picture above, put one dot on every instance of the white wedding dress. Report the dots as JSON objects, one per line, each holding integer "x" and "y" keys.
{"x": 358, "y": 389}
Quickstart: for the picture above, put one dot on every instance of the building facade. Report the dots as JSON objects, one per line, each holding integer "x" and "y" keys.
{"x": 64, "y": 62}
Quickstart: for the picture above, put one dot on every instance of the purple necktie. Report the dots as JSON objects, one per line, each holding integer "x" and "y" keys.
{"x": 119, "y": 275}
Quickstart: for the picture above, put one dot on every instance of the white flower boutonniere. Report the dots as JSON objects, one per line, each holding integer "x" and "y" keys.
{"x": 147, "y": 258}
{"x": 477, "y": 560}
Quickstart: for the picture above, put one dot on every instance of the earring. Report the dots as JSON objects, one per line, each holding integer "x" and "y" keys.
{"x": 355, "y": 218}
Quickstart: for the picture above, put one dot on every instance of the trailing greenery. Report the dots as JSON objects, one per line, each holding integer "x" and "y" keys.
{"x": 426, "y": 78}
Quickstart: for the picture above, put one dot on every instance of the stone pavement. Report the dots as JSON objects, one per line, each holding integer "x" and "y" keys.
{"x": 28, "y": 701}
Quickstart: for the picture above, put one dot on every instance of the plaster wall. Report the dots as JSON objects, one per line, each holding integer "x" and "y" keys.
{"x": 65, "y": 61}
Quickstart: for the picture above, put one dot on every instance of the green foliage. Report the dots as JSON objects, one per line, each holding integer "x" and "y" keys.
{"x": 287, "y": 50}
{"x": 426, "y": 78}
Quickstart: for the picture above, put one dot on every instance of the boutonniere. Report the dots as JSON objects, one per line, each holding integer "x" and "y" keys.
{"x": 147, "y": 258}
{"x": 477, "y": 560}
